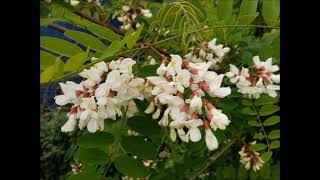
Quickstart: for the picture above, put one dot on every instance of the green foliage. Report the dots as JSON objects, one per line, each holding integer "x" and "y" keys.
{"x": 145, "y": 126}
{"x": 138, "y": 146}
{"x": 224, "y": 8}
{"x": 248, "y": 11}
{"x": 46, "y": 59}
{"x": 91, "y": 156}
{"x": 99, "y": 140}
{"x": 75, "y": 62}
{"x": 86, "y": 39}
{"x": 54, "y": 70}
{"x": 271, "y": 121}
{"x": 129, "y": 166}
{"x": 268, "y": 109}
{"x": 60, "y": 46}
{"x": 112, "y": 154}
{"x": 271, "y": 11}
{"x": 104, "y": 32}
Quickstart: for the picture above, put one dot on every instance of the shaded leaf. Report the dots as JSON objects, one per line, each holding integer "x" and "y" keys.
{"x": 266, "y": 156}
{"x": 91, "y": 156}
{"x": 258, "y": 146}
{"x": 138, "y": 146}
{"x": 130, "y": 167}
{"x": 275, "y": 144}
{"x": 95, "y": 140}
{"x": 268, "y": 109}
{"x": 271, "y": 121}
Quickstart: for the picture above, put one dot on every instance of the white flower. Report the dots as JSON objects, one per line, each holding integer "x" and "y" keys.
{"x": 131, "y": 109}
{"x": 95, "y": 123}
{"x": 113, "y": 65}
{"x": 219, "y": 120}
{"x": 146, "y": 13}
{"x": 70, "y": 124}
{"x": 177, "y": 115}
{"x": 195, "y": 104}
{"x": 125, "y": 8}
{"x": 114, "y": 80}
{"x": 178, "y": 125}
{"x": 74, "y": 2}
{"x": 69, "y": 93}
{"x": 92, "y": 75}
{"x": 102, "y": 66}
{"x": 211, "y": 140}
{"x": 173, "y": 134}
{"x": 164, "y": 120}
{"x": 174, "y": 65}
{"x": 194, "y": 133}
{"x": 163, "y": 88}
{"x": 126, "y": 65}
{"x": 156, "y": 114}
{"x": 271, "y": 90}
{"x": 215, "y": 87}
{"x": 182, "y": 80}
{"x": 89, "y": 117}
{"x": 150, "y": 108}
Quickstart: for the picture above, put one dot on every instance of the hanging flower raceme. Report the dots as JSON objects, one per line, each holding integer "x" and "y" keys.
{"x": 257, "y": 79}
{"x": 77, "y": 2}
{"x": 250, "y": 158}
{"x": 127, "y": 16}
{"x": 107, "y": 89}
{"x": 179, "y": 92}
{"x": 208, "y": 52}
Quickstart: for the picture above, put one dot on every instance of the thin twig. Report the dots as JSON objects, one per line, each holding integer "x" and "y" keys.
{"x": 57, "y": 27}
{"x": 96, "y": 21}
{"x": 213, "y": 158}
{"x": 213, "y": 27}
{"x": 262, "y": 127}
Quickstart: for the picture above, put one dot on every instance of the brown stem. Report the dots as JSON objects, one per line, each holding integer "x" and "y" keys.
{"x": 57, "y": 27}
{"x": 96, "y": 21}
{"x": 213, "y": 158}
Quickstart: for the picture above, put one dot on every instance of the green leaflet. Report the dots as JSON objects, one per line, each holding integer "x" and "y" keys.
{"x": 130, "y": 167}
{"x": 104, "y": 32}
{"x": 224, "y": 9}
{"x": 248, "y": 11}
{"x": 52, "y": 71}
{"x": 86, "y": 39}
{"x": 59, "y": 46}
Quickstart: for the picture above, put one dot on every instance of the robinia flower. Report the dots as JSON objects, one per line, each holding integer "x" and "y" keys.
{"x": 127, "y": 16}
{"x": 182, "y": 111}
{"x": 208, "y": 52}
{"x": 107, "y": 88}
{"x": 257, "y": 79}
{"x": 250, "y": 158}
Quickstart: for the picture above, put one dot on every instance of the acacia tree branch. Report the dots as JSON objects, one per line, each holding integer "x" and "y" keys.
{"x": 96, "y": 21}
{"x": 213, "y": 158}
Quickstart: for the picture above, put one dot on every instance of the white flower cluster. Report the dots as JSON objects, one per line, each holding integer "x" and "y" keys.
{"x": 108, "y": 89}
{"x": 208, "y": 52}
{"x": 258, "y": 79}
{"x": 77, "y": 2}
{"x": 250, "y": 158}
{"x": 168, "y": 89}
{"x": 127, "y": 16}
